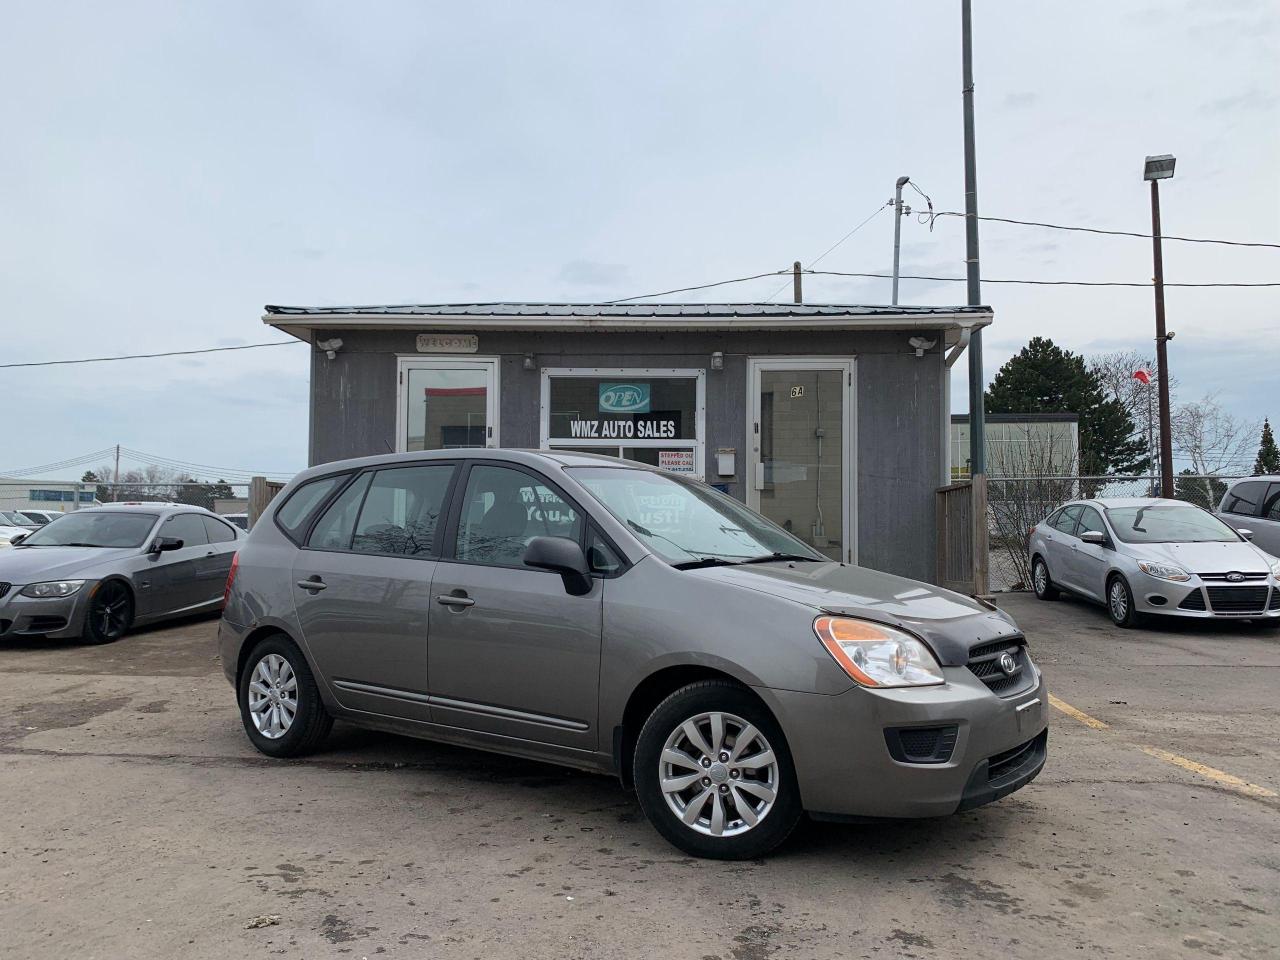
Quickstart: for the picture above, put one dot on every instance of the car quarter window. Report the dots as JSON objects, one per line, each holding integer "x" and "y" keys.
{"x": 503, "y": 509}
{"x": 336, "y": 526}
{"x": 401, "y": 510}
{"x": 1271, "y": 506}
{"x": 1244, "y": 498}
{"x": 1066, "y": 519}
{"x": 602, "y": 558}
{"x": 1090, "y": 520}
{"x": 187, "y": 527}
{"x": 217, "y": 531}
{"x": 293, "y": 514}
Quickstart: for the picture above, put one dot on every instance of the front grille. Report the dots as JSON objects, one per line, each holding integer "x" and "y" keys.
{"x": 921, "y": 744}
{"x": 1275, "y": 599}
{"x": 984, "y": 663}
{"x": 4, "y": 589}
{"x": 1223, "y": 576}
{"x": 1238, "y": 600}
{"x": 1002, "y": 764}
{"x": 1193, "y": 601}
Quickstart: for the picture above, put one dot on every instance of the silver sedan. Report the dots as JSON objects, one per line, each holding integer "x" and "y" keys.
{"x": 95, "y": 573}
{"x": 1143, "y": 555}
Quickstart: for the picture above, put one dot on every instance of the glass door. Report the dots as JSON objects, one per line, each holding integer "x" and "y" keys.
{"x": 801, "y": 434}
{"x": 447, "y": 404}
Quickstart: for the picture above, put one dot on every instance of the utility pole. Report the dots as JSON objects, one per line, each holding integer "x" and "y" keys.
{"x": 796, "y": 292}
{"x": 1157, "y": 169}
{"x": 115, "y": 487}
{"x": 897, "y": 232}
{"x": 977, "y": 412}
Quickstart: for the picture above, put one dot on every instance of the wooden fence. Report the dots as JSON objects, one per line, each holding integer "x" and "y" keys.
{"x": 963, "y": 536}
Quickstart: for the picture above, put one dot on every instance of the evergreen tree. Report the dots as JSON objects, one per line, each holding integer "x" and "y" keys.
{"x": 1268, "y": 462}
{"x": 1044, "y": 378}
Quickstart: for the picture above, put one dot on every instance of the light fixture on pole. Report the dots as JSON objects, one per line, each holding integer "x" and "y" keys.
{"x": 1156, "y": 169}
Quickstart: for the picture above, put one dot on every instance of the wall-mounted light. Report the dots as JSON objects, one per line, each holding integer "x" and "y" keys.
{"x": 330, "y": 347}
{"x": 920, "y": 345}
{"x": 717, "y": 361}
{"x": 529, "y": 362}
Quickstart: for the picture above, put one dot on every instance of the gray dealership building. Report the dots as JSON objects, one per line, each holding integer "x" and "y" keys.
{"x": 832, "y": 420}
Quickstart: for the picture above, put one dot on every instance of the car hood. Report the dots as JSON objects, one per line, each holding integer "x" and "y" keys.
{"x": 31, "y": 564}
{"x": 951, "y": 624}
{"x": 1204, "y": 557}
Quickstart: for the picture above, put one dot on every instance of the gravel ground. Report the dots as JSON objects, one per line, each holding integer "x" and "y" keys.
{"x": 136, "y": 821}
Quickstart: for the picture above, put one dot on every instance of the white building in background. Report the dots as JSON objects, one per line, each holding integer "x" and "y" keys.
{"x": 1020, "y": 445}
{"x": 60, "y": 495}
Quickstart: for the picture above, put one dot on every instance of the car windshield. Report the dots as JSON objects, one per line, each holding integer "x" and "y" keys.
{"x": 685, "y": 522}
{"x": 1168, "y": 524}
{"x": 106, "y": 529}
{"x": 13, "y": 520}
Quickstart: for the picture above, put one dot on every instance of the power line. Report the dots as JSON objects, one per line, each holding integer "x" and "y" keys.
{"x": 86, "y": 458}
{"x": 874, "y": 213}
{"x": 1038, "y": 283}
{"x": 701, "y": 286}
{"x": 148, "y": 356}
{"x": 188, "y": 467}
{"x": 1111, "y": 233}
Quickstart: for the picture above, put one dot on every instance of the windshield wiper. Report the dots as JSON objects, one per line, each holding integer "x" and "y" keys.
{"x": 705, "y": 562}
{"x": 771, "y": 557}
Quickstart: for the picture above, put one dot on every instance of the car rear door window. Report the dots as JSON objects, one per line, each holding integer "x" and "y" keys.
{"x": 217, "y": 531}
{"x": 187, "y": 527}
{"x": 503, "y": 509}
{"x": 1245, "y": 498}
{"x": 293, "y": 515}
{"x": 336, "y": 526}
{"x": 1271, "y": 506}
{"x": 401, "y": 510}
{"x": 1066, "y": 519}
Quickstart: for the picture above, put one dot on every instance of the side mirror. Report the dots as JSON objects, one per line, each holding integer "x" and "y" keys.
{"x": 1243, "y": 531}
{"x": 1096, "y": 537}
{"x": 17, "y": 539}
{"x": 563, "y": 556}
{"x": 165, "y": 544}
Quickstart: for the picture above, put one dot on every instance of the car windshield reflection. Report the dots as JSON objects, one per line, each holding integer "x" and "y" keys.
{"x": 119, "y": 530}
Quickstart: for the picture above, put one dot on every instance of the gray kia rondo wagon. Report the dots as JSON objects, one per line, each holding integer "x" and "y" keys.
{"x": 617, "y": 618}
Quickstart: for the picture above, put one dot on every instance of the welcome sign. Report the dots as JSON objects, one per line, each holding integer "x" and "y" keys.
{"x": 624, "y": 398}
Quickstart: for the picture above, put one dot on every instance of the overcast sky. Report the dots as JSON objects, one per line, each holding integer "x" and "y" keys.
{"x": 168, "y": 168}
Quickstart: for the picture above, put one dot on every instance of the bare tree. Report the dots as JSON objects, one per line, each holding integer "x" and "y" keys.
{"x": 1039, "y": 473}
{"x": 1116, "y": 370}
{"x": 1212, "y": 440}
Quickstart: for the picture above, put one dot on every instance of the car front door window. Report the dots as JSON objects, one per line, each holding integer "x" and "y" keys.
{"x": 502, "y": 510}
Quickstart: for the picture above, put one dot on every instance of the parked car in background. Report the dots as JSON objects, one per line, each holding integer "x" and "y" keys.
{"x": 39, "y": 517}
{"x": 241, "y": 520}
{"x": 610, "y": 616}
{"x": 1255, "y": 503}
{"x": 11, "y": 518}
{"x": 1145, "y": 555}
{"x": 95, "y": 573}
{"x": 10, "y": 528}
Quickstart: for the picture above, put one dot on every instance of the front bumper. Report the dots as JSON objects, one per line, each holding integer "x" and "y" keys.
{"x": 57, "y": 618}
{"x": 843, "y": 762}
{"x": 1207, "y": 599}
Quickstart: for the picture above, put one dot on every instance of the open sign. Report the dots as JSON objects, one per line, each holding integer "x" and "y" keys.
{"x": 624, "y": 397}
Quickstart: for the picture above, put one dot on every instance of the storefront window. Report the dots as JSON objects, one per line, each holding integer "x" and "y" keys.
{"x": 650, "y": 416}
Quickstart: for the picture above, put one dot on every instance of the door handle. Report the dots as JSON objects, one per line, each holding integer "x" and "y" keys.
{"x": 451, "y": 601}
{"x": 312, "y": 583}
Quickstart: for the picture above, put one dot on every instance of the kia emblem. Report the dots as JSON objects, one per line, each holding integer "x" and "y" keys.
{"x": 1235, "y": 577}
{"x": 1008, "y": 665}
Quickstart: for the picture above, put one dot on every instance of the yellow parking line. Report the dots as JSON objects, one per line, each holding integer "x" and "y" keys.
{"x": 1080, "y": 715}
{"x": 1209, "y": 773}
{"x": 1191, "y": 766}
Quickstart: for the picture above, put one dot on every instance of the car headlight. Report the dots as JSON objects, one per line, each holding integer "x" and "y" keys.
{"x": 1163, "y": 571}
{"x": 876, "y": 655}
{"x": 1275, "y": 569}
{"x": 52, "y": 588}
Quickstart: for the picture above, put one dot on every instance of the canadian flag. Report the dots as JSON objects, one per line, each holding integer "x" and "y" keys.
{"x": 1142, "y": 375}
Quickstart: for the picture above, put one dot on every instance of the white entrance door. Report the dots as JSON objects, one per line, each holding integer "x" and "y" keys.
{"x": 801, "y": 437}
{"x": 446, "y": 404}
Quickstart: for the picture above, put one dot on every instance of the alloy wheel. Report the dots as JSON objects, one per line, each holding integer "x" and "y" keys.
{"x": 1119, "y": 598}
{"x": 718, "y": 774}
{"x": 1041, "y": 576}
{"x": 273, "y": 696}
{"x": 110, "y": 611}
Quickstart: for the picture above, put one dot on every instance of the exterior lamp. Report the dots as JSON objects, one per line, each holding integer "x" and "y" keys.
{"x": 717, "y": 360}
{"x": 1158, "y": 168}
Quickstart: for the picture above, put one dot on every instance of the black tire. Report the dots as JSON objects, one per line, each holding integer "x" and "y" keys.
{"x": 1042, "y": 585}
{"x": 110, "y": 613}
{"x": 1120, "y": 603}
{"x": 311, "y": 722}
{"x": 775, "y": 823}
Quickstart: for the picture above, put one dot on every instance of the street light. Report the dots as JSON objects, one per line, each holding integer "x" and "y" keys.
{"x": 1156, "y": 169}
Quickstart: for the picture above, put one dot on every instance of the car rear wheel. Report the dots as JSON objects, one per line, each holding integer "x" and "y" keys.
{"x": 110, "y": 613}
{"x": 279, "y": 703}
{"x": 714, "y": 775}
{"x": 1120, "y": 603}
{"x": 1042, "y": 582}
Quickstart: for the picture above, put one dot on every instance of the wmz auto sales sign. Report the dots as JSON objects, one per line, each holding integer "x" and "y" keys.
{"x": 654, "y": 429}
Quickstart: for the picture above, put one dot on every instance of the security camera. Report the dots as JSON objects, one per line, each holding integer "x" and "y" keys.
{"x": 920, "y": 344}
{"x": 330, "y": 347}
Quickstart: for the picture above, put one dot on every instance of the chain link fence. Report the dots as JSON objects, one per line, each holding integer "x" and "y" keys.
{"x": 61, "y": 496}
{"x": 1016, "y": 504}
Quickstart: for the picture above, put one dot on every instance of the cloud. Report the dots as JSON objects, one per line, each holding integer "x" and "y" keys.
{"x": 592, "y": 273}
{"x": 1248, "y": 100}
{"x": 1020, "y": 99}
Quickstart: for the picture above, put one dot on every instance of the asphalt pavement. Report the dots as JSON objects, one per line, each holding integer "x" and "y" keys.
{"x": 136, "y": 821}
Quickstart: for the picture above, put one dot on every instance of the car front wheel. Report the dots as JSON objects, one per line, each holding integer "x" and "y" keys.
{"x": 279, "y": 703}
{"x": 1120, "y": 604}
{"x": 714, "y": 775}
{"x": 110, "y": 613}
